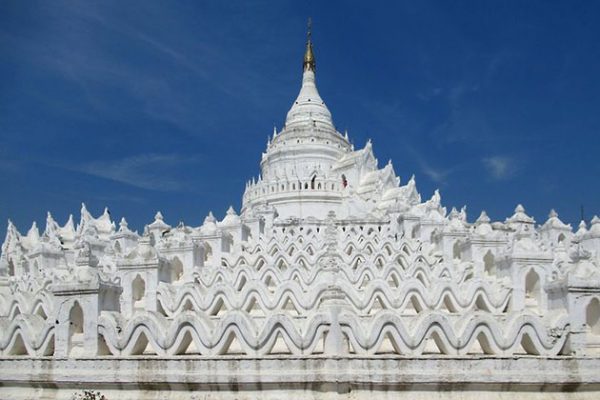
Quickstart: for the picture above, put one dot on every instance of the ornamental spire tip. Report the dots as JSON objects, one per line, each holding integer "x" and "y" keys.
{"x": 309, "y": 57}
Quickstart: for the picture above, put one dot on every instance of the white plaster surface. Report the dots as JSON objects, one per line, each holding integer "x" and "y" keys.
{"x": 334, "y": 277}
{"x": 308, "y": 377}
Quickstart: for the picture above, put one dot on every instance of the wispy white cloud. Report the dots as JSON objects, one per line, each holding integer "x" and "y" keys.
{"x": 465, "y": 122}
{"x": 146, "y": 171}
{"x": 78, "y": 55}
{"x": 500, "y": 167}
{"x": 436, "y": 174}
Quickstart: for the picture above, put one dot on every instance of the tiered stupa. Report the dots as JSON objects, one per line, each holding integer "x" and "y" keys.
{"x": 334, "y": 278}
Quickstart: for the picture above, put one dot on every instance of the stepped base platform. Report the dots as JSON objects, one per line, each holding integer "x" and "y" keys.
{"x": 312, "y": 377}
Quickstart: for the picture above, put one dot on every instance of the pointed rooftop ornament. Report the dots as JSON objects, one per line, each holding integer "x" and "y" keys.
{"x": 483, "y": 218}
{"x": 453, "y": 213}
{"x": 85, "y": 214}
{"x": 33, "y": 234}
{"x": 210, "y": 217}
{"x": 10, "y": 235}
{"x": 309, "y": 109}
{"x": 231, "y": 219}
{"x": 594, "y": 231}
{"x": 582, "y": 229}
{"x": 520, "y": 216}
{"x": 209, "y": 225}
{"x": 69, "y": 224}
{"x": 309, "y": 57}
{"x": 51, "y": 226}
{"x": 554, "y": 222}
{"x": 159, "y": 224}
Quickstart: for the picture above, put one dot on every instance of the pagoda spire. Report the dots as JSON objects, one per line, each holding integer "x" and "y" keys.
{"x": 309, "y": 57}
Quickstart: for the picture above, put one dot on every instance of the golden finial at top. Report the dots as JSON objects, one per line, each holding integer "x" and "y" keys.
{"x": 309, "y": 57}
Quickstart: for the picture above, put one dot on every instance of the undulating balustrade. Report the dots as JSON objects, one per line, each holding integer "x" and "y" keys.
{"x": 270, "y": 299}
{"x": 328, "y": 288}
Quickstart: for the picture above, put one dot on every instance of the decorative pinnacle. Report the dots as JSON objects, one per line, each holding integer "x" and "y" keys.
{"x": 309, "y": 57}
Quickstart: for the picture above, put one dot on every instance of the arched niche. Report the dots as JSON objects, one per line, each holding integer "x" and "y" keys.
{"x": 138, "y": 292}
{"x": 533, "y": 289}
{"x": 76, "y": 326}
{"x": 176, "y": 272}
{"x": 489, "y": 264}
{"x": 456, "y": 251}
{"x": 592, "y": 316}
{"x": 208, "y": 252}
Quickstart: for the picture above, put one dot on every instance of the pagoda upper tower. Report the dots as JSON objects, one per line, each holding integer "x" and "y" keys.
{"x": 296, "y": 168}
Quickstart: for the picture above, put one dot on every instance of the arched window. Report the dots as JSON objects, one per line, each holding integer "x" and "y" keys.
{"x": 456, "y": 251}
{"x": 138, "y": 291}
{"x": 415, "y": 231}
{"x": 207, "y": 252}
{"x": 312, "y": 182}
{"x": 75, "y": 329}
{"x": 176, "y": 270}
{"x": 489, "y": 266}
{"x": 561, "y": 238}
{"x": 305, "y": 185}
{"x": 592, "y": 316}
{"x": 533, "y": 290}
{"x": 344, "y": 181}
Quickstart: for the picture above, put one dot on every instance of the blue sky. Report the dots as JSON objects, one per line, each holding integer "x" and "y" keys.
{"x": 145, "y": 105}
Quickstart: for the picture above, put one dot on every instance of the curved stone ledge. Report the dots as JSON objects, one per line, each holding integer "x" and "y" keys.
{"x": 308, "y": 376}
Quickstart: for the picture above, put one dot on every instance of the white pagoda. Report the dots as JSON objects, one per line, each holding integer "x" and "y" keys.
{"x": 334, "y": 279}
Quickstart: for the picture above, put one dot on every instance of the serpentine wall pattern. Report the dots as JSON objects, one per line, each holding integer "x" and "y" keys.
{"x": 330, "y": 288}
{"x": 329, "y": 256}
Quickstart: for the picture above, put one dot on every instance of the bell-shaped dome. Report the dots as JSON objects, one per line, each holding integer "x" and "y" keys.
{"x": 308, "y": 107}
